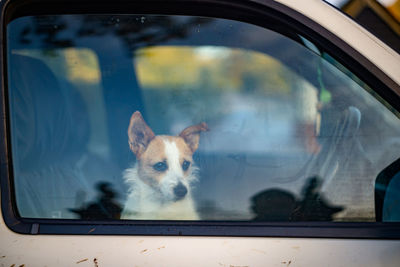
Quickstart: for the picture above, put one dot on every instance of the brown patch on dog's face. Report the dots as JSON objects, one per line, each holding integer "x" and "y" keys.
{"x": 185, "y": 153}
{"x": 157, "y": 160}
{"x": 154, "y": 154}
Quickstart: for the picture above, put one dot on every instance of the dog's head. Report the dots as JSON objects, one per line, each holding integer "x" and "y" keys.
{"x": 165, "y": 162}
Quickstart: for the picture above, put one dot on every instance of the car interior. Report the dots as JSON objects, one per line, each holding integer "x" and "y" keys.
{"x": 289, "y": 124}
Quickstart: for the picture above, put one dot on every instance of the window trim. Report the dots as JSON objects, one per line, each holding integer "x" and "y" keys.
{"x": 251, "y": 12}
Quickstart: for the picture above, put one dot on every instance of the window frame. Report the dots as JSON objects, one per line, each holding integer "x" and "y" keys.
{"x": 256, "y": 13}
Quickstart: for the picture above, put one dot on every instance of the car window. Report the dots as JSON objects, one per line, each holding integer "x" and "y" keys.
{"x": 149, "y": 117}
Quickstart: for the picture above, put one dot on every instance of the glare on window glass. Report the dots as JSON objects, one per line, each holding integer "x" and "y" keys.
{"x": 146, "y": 117}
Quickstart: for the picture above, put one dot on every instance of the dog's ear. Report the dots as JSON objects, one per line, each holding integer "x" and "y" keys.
{"x": 139, "y": 134}
{"x": 191, "y": 135}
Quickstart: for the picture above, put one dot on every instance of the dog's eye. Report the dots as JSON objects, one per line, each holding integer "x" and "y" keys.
{"x": 185, "y": 165}
{"x": 160, "y": 166}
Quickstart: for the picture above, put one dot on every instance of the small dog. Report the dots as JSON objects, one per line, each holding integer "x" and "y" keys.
{"x": 160, "y": 182}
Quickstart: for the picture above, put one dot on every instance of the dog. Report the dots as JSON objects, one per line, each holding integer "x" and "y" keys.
{"x": 160, "y": 183}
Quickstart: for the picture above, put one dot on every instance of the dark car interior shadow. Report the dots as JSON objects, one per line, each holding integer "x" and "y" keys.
{"x": 280, "y": 205}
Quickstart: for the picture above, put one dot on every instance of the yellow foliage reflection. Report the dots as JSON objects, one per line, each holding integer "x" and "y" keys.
{"x": 220, "y": 68}
{"x": 82, "y": 66}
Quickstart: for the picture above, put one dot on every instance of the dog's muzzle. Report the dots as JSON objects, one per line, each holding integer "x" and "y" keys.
{"x": 180, "y": 191}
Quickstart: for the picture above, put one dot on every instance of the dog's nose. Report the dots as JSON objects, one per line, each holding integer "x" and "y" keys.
{"x": 180, "y": 191}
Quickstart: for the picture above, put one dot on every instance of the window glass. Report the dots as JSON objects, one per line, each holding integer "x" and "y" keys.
{"x": 187, "y": 118}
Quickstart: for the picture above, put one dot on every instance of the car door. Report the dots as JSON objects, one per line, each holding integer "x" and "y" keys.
{"x": 299, "y": 165}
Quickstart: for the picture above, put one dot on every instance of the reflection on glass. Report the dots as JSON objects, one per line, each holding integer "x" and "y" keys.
{"x": 105, "y": 207}
{"x": 279, "y": 205}
{"x": 273, "y": 205}
{"x": 293, "y": 135}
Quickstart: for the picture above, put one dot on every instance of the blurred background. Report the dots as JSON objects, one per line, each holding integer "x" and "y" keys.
{"x": 380, "y": 17}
